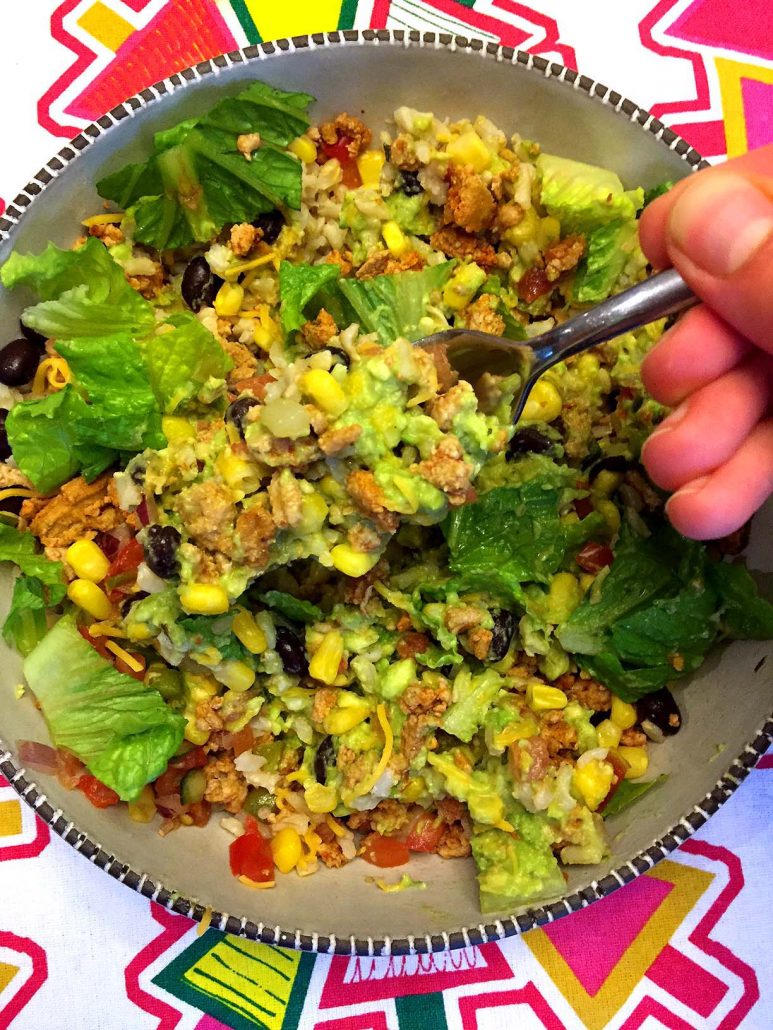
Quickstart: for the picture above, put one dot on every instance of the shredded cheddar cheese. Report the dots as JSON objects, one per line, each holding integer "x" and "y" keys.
{"x": 204, "y": 922}
{"x": 253, "y": 885}
{"x": 386, "y": 754}
{"x": 105, "y": 629}
{"x": 125, "y": 657}
{"x": 103, "y": 219}
{"x": 53, "y": 373}
{"x": 335, "y": 826}
{"x": 247, "y": 266}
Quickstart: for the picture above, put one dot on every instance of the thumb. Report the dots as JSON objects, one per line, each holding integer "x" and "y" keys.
{"x": 719, "y": 236}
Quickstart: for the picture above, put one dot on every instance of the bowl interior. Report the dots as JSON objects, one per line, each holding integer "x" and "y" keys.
{"x": 724, "y": 705}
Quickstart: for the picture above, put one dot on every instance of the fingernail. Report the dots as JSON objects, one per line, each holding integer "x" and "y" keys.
{"x": 720, "y": 221}
{"x": 693, "y": 487}
{"x": 668, "y": 424}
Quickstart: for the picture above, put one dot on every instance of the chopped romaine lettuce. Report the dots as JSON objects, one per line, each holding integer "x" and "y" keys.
{"x": 292, "y": 608}
{"x": 83, "y": 293}
{"x": 40, "y": 585}
{"x": 657, "y": 191}
{"x": 298, "y": 285}
{"x": 628, "y": 792}
{"x": 583, "y": 197}
{"x": 395, "y": 305}
{"x": 608, "y": 250}
{"x": 120, "y": 728}
{"x": 49, "y": 440}
{"x": 197, "y": 181}
{"x": 183, "y": 361}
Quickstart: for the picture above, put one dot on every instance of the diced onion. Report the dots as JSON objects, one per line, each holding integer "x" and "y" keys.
{"x": 39, "y": 757}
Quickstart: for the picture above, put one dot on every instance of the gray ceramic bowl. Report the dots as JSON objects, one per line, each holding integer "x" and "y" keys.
{"x": 725, "y": 706}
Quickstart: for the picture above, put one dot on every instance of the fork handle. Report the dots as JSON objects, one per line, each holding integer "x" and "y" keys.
{"x": 663, "y": 294}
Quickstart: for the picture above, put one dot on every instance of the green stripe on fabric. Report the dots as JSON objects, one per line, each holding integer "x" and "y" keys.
{"x": 421, "y": 1010}
{"x": 246, "y": 22}
{"x": 347, "y": 14}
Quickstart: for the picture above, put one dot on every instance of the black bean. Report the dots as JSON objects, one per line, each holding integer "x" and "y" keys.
{"x": 447, "y": 671}
{"x": 661, "y": 710}
{"x": 502, "y": 634}
{"x": 199, "y": 284}
{"x": 528, "y": 441}
{"x": 411, "y": 186}
{"x": 137, "y": 474}
{"x": 11, "y": 504}
{"x": 271, "y": 223}
{"x": 161, "y": 543}
{"x": 609, "y": 463}
{"x": 325, "y": 756}
{"x": 32, "y": 335}
{"x": 598, "y": 717}
{"x": 236, "y": 412}
{"x": 19, "y": 362}
{"x": 5, "y": 447}
{"x": 127, "y": 603}
{"x": 291, "y": 651}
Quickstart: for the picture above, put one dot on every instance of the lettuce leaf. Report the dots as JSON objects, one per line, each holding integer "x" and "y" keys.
{"x": 658, "y": 612}
{"x": 628, "y": 792}
{"x": 512, "y": 535}
{"x": 26, "y": 624}
{"x": 122, "y": 413}
{"x": 608, "y": 250}
{"x": 49, "y": 441}
{"x": 182, "y": 361}
{"x": 40, "y": 585}
{"x": 83, "y": 292}
{"x": 393, "y": 305}
{"x": 120, "y": 728}
{"x": 292, "y": 608}
{"x": 584, "y": 197}
{"x": 657, "y": 191}
{"x": 197, "y": 181}
{"x": 298, "y": 285}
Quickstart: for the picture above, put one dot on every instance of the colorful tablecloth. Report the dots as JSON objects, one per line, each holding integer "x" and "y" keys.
{"x": 687, "y": 946}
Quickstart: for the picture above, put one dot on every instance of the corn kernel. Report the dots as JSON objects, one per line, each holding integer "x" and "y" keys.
{"x": 238, "y": 473}
{"x": 350, "y": 711}
{"x": 287, "y": 849}
{"x": 542, "y": 698}
{"x": 90, "y": 598}
{"x": 414, "y": 789}
{"x": 139, "y": 631}
{"x": 592, "y": 782}
{"x": 304, "y": 149}
{"x": 248, "y": 632}
{"x": 324, "y": 391}
{"x": 204, "y": 599}
{"x": 462, "y": 286}
{"x": 237, "y": 676}
{"x": 369, "y": 166}
{"x": 313, "y": 514}
{"x": 550, "y": 228}
{"x": 606, "y": 482}
{"x": 587, "y": 579}
{"x": 143, "y": 809}
{"x": 177, "y": 429}
{"x": 229, "y": 299}
{"x": 622, "y": 714}
{"x": 352, "y": 563}
{"x": 326, "y": 660}
{"x": 608, "y": 734}
{"x": 520, "y": 729}
{"x": 609, "y": 512}
{"x": 638, "y": 761}
{"x": 320, "y": 799}
{"x": 395, "y": 238}
{"x": 544, "y": 403}
{"x": 87, "y": 560}
{"x": 469, "y": 149}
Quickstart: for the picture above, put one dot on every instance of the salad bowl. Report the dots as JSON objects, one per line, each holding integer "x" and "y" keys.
{"x": 725, "y": 705}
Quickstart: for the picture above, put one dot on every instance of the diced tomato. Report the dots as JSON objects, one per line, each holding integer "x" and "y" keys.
{"x": 621, "y": 768}
{"x": 98, "y": 794}
{"x": 69, "y": 769}
{"x": 98, "y": 643}
{"x": 256, "y": 385}
{"x": 340, "y": 151}
{"x": 385, "y": 852}
{"x": 122, "y": 573}
{"x": 533, "y": 284}
{"x": 594, "y": 557}
{"x": 425, "y": 834}
{"x": 243, "y": 741}
{"x": 583, "y": 506}
{"x": 137, "y": 674}
{"x": 250, "y": 856}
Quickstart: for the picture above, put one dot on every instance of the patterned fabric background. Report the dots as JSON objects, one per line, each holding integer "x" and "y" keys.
{"x": 687, "y": 946}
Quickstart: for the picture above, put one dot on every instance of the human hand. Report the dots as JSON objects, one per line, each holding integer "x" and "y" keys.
{"x": 715, "y": 366}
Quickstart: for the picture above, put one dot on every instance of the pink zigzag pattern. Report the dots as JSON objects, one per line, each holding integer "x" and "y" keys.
{"x": 174, "y": 927}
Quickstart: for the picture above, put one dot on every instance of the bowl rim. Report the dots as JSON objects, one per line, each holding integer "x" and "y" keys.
{"x": 172, "y": 900}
